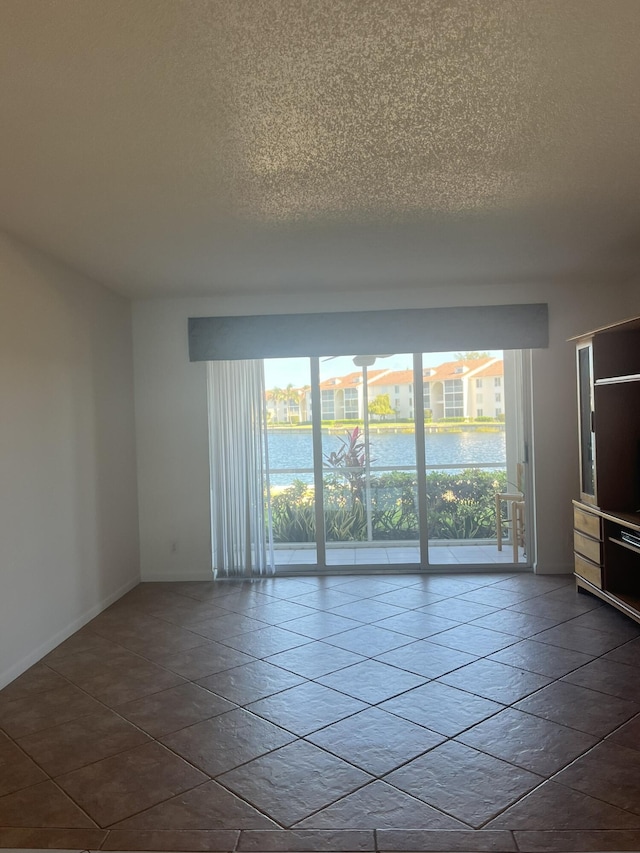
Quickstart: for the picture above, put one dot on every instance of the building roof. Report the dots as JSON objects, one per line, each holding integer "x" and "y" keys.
{"x": 394, "y": 377}
{"x": 381, "y": 377}
{"x": 495, "y": 369}
{"x": 451, "y": 369}
{"x": 351, "y": 380}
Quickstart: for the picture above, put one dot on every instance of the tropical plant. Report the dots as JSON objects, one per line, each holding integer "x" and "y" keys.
{"x": 293, "y": 514}
{"x": 351, "y": 461}
{"x": 344, "y": 516}
{"x": 394, "y": 506}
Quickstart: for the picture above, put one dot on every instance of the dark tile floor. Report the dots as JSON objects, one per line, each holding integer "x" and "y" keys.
{"x": 393, "y": 713}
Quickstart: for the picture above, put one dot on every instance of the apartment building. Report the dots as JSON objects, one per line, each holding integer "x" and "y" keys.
{"x": 342, "y": 397}
{"x": 468, "y": 388}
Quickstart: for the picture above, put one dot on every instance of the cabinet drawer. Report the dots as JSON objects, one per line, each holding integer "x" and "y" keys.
{"x": 590, "y": 548}
{"x": 588, "y": 571}
{"x": 586, "y": 522}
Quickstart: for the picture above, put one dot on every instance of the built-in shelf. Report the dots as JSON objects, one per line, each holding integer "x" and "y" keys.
{"x": 624, "y": 544}
{"x": 630, "y": 601}
{"x": 619, "y": 380}
{"x": 624, "y": 519}
{"x": 608, "y": 372}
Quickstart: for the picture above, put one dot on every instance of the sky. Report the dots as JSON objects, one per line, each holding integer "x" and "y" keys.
{"x": 279, "y": 372}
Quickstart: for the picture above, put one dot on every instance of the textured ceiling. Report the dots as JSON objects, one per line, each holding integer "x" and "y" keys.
{"x": 207, "y": 146}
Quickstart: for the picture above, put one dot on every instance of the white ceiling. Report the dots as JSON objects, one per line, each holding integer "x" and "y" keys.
{"x": 216, "y": 146}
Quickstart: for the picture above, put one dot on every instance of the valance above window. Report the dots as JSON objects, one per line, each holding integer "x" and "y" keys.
{"x": 482, "y": 327}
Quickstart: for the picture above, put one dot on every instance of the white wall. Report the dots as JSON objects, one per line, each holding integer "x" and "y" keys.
{"x": 68, "y": 500}
{"x": 171, "y": 415}
{"x": 632, "y": 292}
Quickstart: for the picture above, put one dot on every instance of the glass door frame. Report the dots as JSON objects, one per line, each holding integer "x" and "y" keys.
{"x": 518, "y": 400}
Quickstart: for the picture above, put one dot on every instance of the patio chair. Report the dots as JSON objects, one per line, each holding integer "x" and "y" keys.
{"x": 515, "y": 514}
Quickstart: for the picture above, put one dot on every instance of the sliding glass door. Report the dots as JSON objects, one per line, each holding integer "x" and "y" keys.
{"x": 406, "y": 461}
{"x": 289, "y": 462}
{"x": 474, "y": 458}
{"x": 368, "y": 461}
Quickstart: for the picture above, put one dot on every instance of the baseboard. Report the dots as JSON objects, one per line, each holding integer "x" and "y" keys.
{"x": 554, "y": 569}
{"x": 60, "y": 636}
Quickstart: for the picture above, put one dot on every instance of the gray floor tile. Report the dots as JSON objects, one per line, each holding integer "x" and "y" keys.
{"x": 319, "y": 624}
{"x": 369, "y": 640}
{"x": 314, "y": 659}
{"x": 426, "y": 658}
{"x": 610, "y": 772}
{"x": 475, "y": 640}
{"x": 441, "y": 708}
{"x": 568, "y": 635}
{"x": 250, "y": 682}
{"x": 223, "y": 742}
{"x": 391, "y": 807}
{"x": 579, "y": 708}
{"x": 307, "y": 841}
{"x": 371, "y": 681}
{"x": 417, "y": 624}
{"x": 528, "y": 741}
{"x": 495, "y": 681}
{"x": 293, "y": 782}
{"x": 556, "y": 807}
{"x": 546, "y": 660}
{"x": 376, "y": 741}
{"x": 209, "y": 806}
{"x": 306, "y": 708}
{"x": 607, "y": 676}
{"x": 453, "y": 778}
{"x": 265, "y": 641}
{"x": 450, "y": 840}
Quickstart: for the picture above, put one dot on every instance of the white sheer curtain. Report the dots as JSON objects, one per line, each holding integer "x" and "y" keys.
{"x": 239, "y": 521}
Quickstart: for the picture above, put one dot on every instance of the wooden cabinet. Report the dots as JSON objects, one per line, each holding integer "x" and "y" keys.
{"x": 587, "y": 545}
{"x": 606, "y": 519}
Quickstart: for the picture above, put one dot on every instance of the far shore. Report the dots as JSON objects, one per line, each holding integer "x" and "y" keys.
{"x": 377, "y": 428}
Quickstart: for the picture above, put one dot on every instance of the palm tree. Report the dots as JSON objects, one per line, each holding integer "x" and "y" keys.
{"x": 290, "y": 395}
{"x": 277, "y": 395}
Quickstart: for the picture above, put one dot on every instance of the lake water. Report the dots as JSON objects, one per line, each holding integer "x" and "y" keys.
{"x": 294, "y": 450}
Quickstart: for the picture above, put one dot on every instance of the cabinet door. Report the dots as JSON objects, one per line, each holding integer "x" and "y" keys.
{"x": 585, "y": 417}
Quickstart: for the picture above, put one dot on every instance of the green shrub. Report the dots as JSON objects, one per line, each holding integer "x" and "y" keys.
{"x": 462, "y": 506}
{"x": 344, "y": 516}
{"x": 394, "y": 506}
{"x": 459, "y": 506}
{"x": 293, "y": 514}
